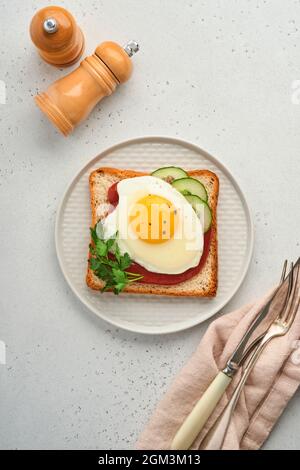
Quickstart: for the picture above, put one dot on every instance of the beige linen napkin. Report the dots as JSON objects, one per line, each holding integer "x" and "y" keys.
{"x": 272, "y": 383}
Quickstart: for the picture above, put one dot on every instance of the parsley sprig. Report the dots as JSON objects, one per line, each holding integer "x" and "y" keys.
{"x": 112, "y": 270}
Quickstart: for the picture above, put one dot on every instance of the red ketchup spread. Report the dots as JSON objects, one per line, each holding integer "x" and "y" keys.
{"x": 158, "y": 278}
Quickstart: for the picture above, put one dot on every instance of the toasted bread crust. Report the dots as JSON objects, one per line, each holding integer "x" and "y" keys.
{"x": 203, "y": 284}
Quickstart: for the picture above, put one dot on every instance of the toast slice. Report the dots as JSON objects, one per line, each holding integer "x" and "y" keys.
{"x": 203, "y": 284}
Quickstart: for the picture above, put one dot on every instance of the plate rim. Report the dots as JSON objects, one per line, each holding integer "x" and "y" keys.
{"x": 161, "y": 139}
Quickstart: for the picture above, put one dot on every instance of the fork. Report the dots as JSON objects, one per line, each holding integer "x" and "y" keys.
{"x": 280, "y": 326}
{"x": 205, "y": 406}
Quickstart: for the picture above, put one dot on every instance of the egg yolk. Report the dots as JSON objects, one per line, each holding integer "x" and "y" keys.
{"x": 153, "y": 219}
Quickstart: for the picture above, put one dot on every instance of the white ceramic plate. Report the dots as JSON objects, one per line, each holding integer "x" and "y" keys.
{"x": 154, "y": 314}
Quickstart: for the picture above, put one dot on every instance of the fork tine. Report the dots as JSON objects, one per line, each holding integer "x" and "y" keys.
{"x": 294, "y": 303}
{"x": 289, "y": 280}
{"x": 292, "y": 288}
{"x": 283, "y": 271}
{"x": 297, "y": 262}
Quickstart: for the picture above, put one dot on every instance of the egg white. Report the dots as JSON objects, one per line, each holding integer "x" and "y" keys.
{"x": 173, "y": 256}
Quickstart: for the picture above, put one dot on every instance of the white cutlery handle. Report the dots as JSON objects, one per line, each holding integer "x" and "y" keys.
{"x": 197, "y": 418}
{"x": 215, "y": 437}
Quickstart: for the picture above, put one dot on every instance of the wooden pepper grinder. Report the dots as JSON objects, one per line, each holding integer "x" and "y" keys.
{"x": 55, "y": 33}
{"x": 69, "y": 100}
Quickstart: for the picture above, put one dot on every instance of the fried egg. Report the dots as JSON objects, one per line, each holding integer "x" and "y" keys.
{"x": 155, "y": 225}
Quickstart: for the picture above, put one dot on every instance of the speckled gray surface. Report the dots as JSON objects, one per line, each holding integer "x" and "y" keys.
{"x": 221, "y": 76}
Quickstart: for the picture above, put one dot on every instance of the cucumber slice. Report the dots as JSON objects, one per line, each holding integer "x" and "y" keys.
{"x": 202, "y": 210}
{"x": 169, "y": 173}
{"x": 187, "y": 186}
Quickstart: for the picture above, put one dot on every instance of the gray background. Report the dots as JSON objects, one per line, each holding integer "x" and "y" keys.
{"x": 219, "y": 74}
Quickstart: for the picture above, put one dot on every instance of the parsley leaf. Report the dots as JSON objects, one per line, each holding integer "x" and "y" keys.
{"x": 101, "y": 248}
{"x": 119, "y": 276}
{"x": 112, "y": 270}
{"x": 125, "y": 261}
{"x": 94, "y": 234}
